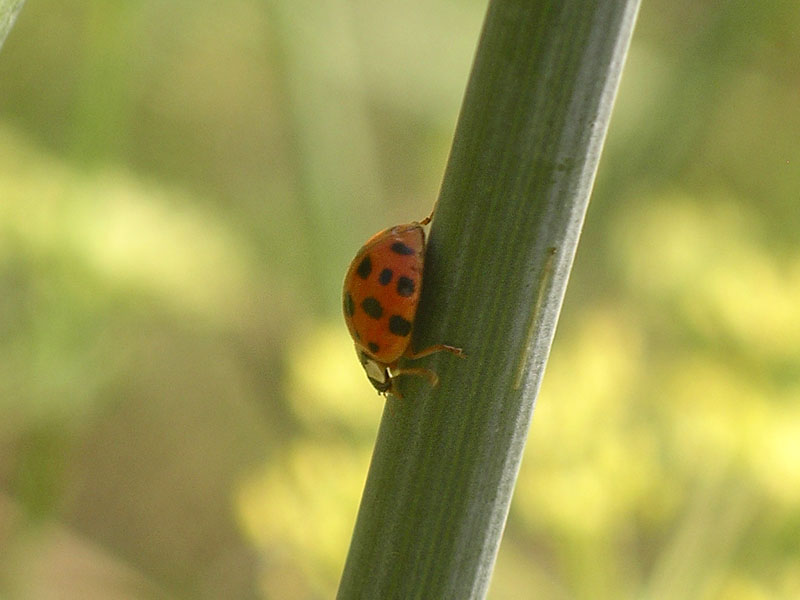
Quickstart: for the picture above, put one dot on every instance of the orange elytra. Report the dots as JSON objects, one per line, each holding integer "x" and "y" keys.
{"x": 381, "y": 294}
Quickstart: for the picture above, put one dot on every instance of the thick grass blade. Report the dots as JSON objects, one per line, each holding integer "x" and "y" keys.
{"x": 505, "y": 232}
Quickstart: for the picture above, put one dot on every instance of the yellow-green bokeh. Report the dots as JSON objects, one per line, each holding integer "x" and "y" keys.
{"x": 182, "y": 186}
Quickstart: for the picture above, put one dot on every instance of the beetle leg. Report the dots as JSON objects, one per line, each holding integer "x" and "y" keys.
{"x": 433, "y": 349}
{"x": 432, "y": 377}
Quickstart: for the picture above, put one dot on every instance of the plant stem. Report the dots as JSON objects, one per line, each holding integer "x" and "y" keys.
{"x": 504, "y": 236}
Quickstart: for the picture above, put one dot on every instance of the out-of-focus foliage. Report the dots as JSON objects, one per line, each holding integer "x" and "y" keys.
{"x": 9, "y": 9}
{"x": 181, "y": 188}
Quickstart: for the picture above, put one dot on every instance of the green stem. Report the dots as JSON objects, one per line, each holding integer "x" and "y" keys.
{"x": 505, "y": 232}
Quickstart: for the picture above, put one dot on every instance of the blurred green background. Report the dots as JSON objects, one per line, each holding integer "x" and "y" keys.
{"x": 182, "y": 186}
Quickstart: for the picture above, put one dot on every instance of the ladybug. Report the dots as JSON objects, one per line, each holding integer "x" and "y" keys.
{"x": 380, "y": 298}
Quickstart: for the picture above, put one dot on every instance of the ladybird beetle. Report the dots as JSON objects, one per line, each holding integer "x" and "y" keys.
{"x": 381, "y": 293}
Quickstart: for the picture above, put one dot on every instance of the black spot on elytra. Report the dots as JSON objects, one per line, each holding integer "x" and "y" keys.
{"x": 399, "y": 326}
{"x": 349, "y": 305}
{"x": 364, "y": 267}
{"x": 385, "y": 277}
{"x": 401, "y": 248}
{"x": 372, "y": 307}
{"x": 405, "y": 286}
{"x": 373, "y": 347}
